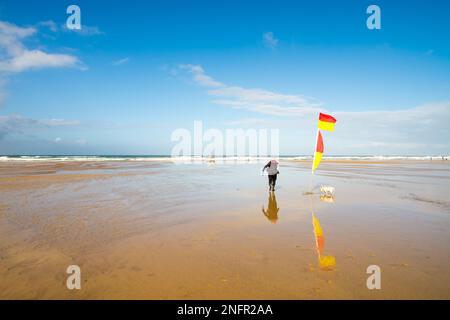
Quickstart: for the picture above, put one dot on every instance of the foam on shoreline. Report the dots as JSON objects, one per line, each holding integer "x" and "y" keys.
{"x": 163, "y": 158}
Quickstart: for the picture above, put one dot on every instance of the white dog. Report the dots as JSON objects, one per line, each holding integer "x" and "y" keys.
{"x": 327, "y": 191}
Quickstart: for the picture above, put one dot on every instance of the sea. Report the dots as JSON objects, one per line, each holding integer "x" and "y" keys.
{"x": 208, "y": 158}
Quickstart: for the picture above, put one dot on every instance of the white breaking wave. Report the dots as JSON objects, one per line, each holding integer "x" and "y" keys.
{"x": 213, "y": 159}
{"x": 373, "y": 158}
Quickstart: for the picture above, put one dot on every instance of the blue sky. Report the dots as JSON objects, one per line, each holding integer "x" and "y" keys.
{"x": 139, "y": 70}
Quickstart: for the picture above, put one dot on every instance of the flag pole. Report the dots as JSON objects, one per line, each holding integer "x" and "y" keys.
{"x": 312, "y": 165}
{"x": 315, "y": 148}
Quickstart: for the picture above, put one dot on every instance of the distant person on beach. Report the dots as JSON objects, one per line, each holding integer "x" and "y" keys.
{"x": 272, "y": 209}
{"x": 272, "y": 171}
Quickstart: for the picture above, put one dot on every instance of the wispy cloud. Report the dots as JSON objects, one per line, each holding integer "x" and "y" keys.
{"x": 18, "y": 121}
{"x": 86, "y": 31}
{"x": 121, "y": 61}
{"x": 396, "y": 145}
{"x": 247, "y": 122}
{"x": 427, "y": 123}
{"x": 16, "y": 57}
{"x": 82, "y": 142}
{"x": 200, "y": 77}
{"x": 17, "y": 124}
{"x": 58, "y": 122}
{"x": 37, "y": 59}
{"x": 51, "y": 25}
{"x": 398, "y": 130}
{"x": 257, "y": 100}
{"x": 269, "y": 40}
{"x": 3, "y": 93}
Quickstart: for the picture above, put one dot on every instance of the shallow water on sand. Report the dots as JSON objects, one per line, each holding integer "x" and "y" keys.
{"x": 207, "y": 231}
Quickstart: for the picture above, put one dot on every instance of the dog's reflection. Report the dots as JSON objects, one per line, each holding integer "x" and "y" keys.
{"x": 327, "y": 194}
{"x": 325, "y": 198}
{"x": 272, "y": 208}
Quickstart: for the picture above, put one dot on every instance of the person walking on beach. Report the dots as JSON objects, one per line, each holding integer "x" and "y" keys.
{"x": 272, "y": 171}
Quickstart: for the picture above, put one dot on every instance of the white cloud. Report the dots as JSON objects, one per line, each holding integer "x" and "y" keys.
{"x": 421, "y": 130}
{"x": 11, "y": 36}
{"x": 14, "y": 124}
{"x": 82, "y": 142}
{"x": 199, "y": 76}
{"x": 423, "y": 124}
{"x": 15, "y": 57}
{"x": 9, "y": 29}
{"x": 58, "y": 140}
{"x": 121, "y": 61}
{"x": 3, "y": 93}
{"x": 257, "y": 100}
{"x": 400, "y": 130}
{"x": 247, "y": 122}
{"x": 269, "y": 40}
{"x": 58, "y": 122}
{"x": 397, "y": 145}
{"x": 86, "y": 31}
{"x": 49, "y": 24}
{"x": 37, "y": 59}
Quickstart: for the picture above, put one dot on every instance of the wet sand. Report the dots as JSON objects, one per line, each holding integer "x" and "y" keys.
{"x": 158, "y": 230}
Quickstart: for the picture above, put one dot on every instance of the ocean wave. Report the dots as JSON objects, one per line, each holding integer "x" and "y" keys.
{"x": 81, "y": 158}
{"x": 213, "y": 159}
{"x": 373, "y": 158}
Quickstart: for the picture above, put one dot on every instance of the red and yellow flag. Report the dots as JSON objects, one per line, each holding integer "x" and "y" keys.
{"x": 319, "y": 151}
{"x": 326, "y": 122}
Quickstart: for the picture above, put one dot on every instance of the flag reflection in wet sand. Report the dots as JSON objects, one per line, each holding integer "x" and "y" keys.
{"x": 325, "y": 262}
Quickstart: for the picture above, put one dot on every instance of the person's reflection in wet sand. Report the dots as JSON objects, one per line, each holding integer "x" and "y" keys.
{"x": 272, "y": 208}
{"x": 325, "y": 262}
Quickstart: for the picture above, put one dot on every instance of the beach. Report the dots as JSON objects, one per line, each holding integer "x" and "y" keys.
{"x": 210, "y": 230}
